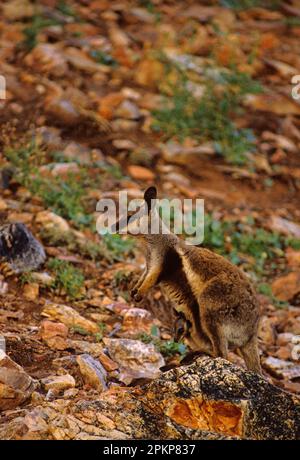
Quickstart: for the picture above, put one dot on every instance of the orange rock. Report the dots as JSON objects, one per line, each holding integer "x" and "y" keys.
{"x": 140, "y": 173}
{"x": 24, "y": 217}
{"x": 293, "y": 257}
{"x": 260, "y": 13}
{"x": 108, "y": 364}
{"x": 268, "y": 41}
{"x": 274, "y": 103}
{"x": 48, "y": 59}
{"x": 226, "y": 54}
{"x": 83, "y": 28}
{"x": 149, "y": 72}
{"x": 31, "y": 291}
{"x": 137, "y": 321}
{"x": 123, "y": 56}
{"x": 293, "y": 387}
{"x": 198, "y": 414}
{"x": 284, "y": 353}
{"x": 108, "y": 103}
{"x": 100, "y": 5}
{"x": 286, "y": 287}
{"x": 50, "y": 329}
{"x": 54, "y": 334}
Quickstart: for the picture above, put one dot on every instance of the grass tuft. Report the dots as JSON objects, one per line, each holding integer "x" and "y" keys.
{"x": 67, "y": 278}
{"x": 210, "y": 118}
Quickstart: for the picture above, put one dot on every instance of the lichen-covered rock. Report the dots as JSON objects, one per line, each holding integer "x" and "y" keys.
{"x": 215, "y": 395}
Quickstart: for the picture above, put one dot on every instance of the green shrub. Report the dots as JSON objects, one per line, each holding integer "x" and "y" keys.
{"x": 67, "y": 277}
{"x": 210, "y": 118}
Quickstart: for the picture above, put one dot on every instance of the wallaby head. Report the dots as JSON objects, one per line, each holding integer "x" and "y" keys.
{"x": 141, "y": 222}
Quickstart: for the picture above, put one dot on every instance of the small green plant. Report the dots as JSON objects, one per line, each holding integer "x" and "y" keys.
{"x": 235, "y": 239}
{"x": 246, "y": 4}
{"x": 99, "y": 335}
{"x": 259, "y": 244}
{"x": 25, "y": 158}
{"x": 293, "y": 243}
{"x": 111, "y": 248}
{"x": 121, "y": 276}
{"x": 122, "y": 279}
{"x": 212, "y": 117}
{"x": 80, "y": 330}
{"x": 150, "y": 6}
{"x": 104, "y": 58}
{"x": 165, "y": 347}
{"x": 171, "y": 348}
{"x": 240, "y": 4}
{"x": 38, "y": 23}
{"x": 59, "y": 157}
{"x": 65, "y": 9}
{"x": 63, "y": 195}
{"x": 292, "y": 21}
{"x": 85, "y": 247}
{"x": 117, "y": 246}
{"x": 26, "y": 278}
{"x": 113, "y": 170}
{"x": 67, "y": 277}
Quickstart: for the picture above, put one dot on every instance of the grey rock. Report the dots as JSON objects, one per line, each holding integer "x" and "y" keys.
{"x": 19, "y": 248}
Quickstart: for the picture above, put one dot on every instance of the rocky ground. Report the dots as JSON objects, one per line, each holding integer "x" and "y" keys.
{"x": 106, "y": 96}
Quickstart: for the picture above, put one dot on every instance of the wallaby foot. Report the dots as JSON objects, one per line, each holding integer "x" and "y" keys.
{"x": 251, "y": 355}
{"x": 137, "y": 284}
{"x": 191, "y": 356}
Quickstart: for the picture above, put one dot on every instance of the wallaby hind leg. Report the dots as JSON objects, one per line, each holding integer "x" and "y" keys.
{"x": 251, "y": 355}
{"x": 217, "y": 337}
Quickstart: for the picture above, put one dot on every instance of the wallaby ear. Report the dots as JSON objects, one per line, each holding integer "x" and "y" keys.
{"x": 150, "y": 194}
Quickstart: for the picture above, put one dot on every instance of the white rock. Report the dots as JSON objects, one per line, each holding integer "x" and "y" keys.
{"x": 136, "y": 359}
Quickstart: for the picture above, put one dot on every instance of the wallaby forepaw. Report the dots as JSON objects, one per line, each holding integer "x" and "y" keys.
{"x": 133, "y": 293}
{"x": 137, "y": 297}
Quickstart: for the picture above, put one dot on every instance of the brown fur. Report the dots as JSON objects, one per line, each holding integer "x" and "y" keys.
{"x": 216, "y": 303}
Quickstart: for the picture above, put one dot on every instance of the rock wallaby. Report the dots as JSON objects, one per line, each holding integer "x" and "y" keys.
{"x": 216, "y": 305}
